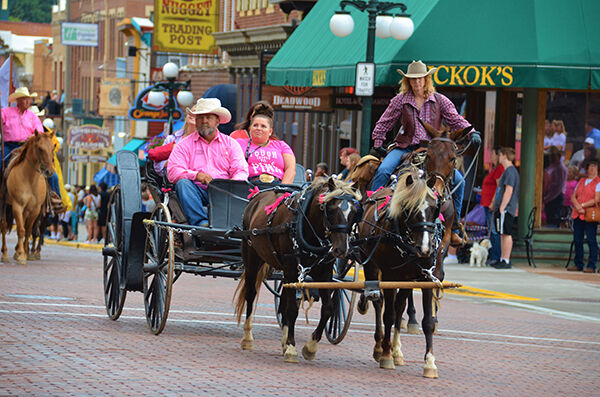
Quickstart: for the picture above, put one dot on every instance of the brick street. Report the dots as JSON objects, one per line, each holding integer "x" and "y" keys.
{"x": 57, "y": 340}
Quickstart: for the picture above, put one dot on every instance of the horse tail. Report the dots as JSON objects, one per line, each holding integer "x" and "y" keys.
{"x": 239, "y": 297}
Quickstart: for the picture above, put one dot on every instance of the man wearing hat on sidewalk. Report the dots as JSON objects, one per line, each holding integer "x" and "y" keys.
{"x": 19, "y": 122}
{"x": 418, "y": 100}
{"x": 203, "y": 156}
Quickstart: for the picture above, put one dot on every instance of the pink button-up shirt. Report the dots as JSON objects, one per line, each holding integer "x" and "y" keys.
{"x": 18, "y": 127}
{"x": 221, "y": 158}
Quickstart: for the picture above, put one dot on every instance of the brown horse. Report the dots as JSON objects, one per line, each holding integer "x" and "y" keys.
{"x": 304, "y": 231}
{"x": 24, "y": 191}
{"x": 400, "y": 235}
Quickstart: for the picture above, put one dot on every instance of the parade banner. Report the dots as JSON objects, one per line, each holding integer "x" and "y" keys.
{"x": 185, "y": 26}
{"x": 89, "y": 136}
{"x": 114, "y": 97}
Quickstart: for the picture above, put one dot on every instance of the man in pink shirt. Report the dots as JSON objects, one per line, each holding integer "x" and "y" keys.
{"x": 18, "y": 122}
{"x": 203, "y": 156}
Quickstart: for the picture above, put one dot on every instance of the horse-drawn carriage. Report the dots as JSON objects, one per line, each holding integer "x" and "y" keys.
{"x": 148, "y": 252}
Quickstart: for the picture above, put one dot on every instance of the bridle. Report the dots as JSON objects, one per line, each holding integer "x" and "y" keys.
{"x": 346, "y": 201}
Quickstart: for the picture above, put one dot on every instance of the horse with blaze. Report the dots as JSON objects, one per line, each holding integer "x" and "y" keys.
{"x": 308, "y": 230}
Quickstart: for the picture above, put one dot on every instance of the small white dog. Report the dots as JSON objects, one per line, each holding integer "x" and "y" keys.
{"x": 479, "y": 253}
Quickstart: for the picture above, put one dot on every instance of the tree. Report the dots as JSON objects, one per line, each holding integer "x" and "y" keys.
{"x": 32, "y": 10}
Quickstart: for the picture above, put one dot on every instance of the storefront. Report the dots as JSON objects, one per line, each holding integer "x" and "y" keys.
{"x": 502, "y": 64}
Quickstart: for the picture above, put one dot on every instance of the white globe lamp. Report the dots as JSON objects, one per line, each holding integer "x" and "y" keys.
{"x": 185, "y": 98}
{"x": 156, "y": 98}
{"x": 402, "y": 28}
{"x": 341, "y": 24}
{"x": 170, "y": 70}
{"x": 382, "y": 26}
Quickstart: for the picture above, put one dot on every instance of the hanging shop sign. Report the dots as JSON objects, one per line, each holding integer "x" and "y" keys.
{"x": 186, "y": 26}
{"x": 143, "y": 110}
{"x": 89, "y": 137}
{"x": 79, "y": 34}
{"x": 114, "y": 97}
{"x": 85, "y": 158}
{"x": 308, "y": 99}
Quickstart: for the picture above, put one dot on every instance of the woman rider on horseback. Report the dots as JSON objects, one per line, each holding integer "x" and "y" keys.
{"x": 417, "y": 99}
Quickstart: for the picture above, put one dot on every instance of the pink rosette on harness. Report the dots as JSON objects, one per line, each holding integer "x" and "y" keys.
{"x": 253, "y": 192}
{"x": 272, "y": 207}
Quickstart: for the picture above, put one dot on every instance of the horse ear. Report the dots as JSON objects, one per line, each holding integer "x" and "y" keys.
{"x": 456, "y": 135}
{"x": 331, "y": 183}
{"x": 429, "y": 128}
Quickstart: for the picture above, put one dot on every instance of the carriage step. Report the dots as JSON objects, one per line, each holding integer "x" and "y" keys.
{"x": 109, "y": 250}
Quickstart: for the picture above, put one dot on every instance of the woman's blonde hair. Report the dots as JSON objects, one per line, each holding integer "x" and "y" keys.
{"x": 405, "y": 86}
{"x": 561, "y": 126}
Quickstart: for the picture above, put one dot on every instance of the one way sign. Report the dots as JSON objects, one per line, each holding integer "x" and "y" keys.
{"x": 365, "y": 79}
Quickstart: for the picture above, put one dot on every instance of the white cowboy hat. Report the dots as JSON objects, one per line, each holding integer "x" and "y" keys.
{"x": 21, "y": 92}
{"x": 416, "y": 70}
{"x": 48, "y": 123}
{"x": 37, "y": 111}
{"x": 211, "y": 106}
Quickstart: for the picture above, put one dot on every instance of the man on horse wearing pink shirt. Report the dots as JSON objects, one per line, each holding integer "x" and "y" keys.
{"x": 203, "y": 156}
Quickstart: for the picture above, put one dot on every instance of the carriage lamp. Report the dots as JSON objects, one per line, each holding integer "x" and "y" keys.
{"x": 156, "y": 96}
{"x": 381, "y": 24}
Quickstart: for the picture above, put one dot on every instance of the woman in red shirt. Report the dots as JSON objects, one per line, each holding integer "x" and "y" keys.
{"x": 488, "y": 188}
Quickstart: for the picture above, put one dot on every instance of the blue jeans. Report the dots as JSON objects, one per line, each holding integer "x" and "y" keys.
{"x": 192, "y": 199}
{"x": 494, "y": 254}
{"x": 589, "y": 228}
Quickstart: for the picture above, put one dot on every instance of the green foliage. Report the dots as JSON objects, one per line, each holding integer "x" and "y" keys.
{"x": 32, "y": 10}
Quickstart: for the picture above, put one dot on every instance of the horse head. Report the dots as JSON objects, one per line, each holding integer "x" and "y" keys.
{"x": 415, "y": 209}
{"x": 442, "y": 152}
{"x": 338, "y": 211}
{"x": 43, "y": 152}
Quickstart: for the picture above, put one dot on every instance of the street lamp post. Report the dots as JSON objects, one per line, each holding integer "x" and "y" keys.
{"x": 382, "y": 24}
{"x": 184, "y": 97}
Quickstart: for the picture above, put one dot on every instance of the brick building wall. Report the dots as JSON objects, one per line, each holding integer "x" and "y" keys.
{"x": 42, "y": 68}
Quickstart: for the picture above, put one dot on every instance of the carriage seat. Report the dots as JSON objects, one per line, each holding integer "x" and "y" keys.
{"x": 227, "y": 200}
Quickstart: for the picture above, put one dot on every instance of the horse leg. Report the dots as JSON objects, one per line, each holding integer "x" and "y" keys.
{"x": 290, "y": 355}
{"x": 389, "y": 314}
{"x": 29, "y": 223}
{"x": 310, "y": 348}
{"x": 429, "y": 370}
{"x": 396, "y": 344}
{"x": 4, "y": 249}
{"x": 412, "y": 326}
{"x": 252, "y": 266}
{"x": 20, "y": 255}
{"x": 378, "y": 350}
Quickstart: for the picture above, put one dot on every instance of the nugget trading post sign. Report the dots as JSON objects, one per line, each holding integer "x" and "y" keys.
{"x": 186, "y": 25}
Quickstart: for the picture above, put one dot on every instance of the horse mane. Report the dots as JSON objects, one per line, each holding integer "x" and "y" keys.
{"x": 409, "y": 197}
{"x": 21, "y": 153}
{"x": 341, "y": 188}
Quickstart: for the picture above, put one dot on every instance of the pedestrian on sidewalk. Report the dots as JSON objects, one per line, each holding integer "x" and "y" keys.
{"x": 488, "y": 188}
{"x": 505, "y": 205}
{"x": 585, "y": 198}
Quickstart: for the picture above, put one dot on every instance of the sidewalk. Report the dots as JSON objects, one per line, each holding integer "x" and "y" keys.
{"x": 80, "y": 242}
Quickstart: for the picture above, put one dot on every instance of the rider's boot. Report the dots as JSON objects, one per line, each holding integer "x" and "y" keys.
{"x": 458, "y": 237}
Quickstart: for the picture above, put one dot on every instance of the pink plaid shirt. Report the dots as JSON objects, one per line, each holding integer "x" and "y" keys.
{"x": 394, "y": 110}
{"x": 221, "y": 158}
{"x": 18, "y": 127}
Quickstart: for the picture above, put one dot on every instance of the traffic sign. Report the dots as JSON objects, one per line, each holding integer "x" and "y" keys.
{"x": 365, "y": 79}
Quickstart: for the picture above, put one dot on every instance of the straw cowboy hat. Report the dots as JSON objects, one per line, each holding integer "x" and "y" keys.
{"x": 37, "y": 111}
{"x": 416, "y": 70}
{"x": 21, "y": 92}
{"x": 211, "y": 106}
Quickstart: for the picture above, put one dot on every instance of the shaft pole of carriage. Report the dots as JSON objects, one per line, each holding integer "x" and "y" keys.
{"x": 381, "y": 284}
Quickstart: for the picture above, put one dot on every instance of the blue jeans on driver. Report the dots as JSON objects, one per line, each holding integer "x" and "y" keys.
{"x": 193, "y": 199}
{"x": 392, "y": 161}
{"x": 494, "y": 254}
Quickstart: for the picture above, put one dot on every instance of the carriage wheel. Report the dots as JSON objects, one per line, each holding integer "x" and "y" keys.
{"x": 114, "y": 272}
{"x": 343, "y": 304}
{"x": 159, "y": 262}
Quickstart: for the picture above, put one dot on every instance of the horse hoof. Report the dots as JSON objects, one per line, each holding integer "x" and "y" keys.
{"x": 21, "y": 261}
{"x": 290, "y": 355}
{"x": 5, "y": 259}
{"x": 33, "y": 257}
{"x": 431, "y": 373}
{"x": 363, "y": 305}
{"x": 387, "y": 363}
{"x": 309, "y": 350}
{"x": 377, "y": 354}
{"x": 247, "y": 344}
{"x": 308, "y": 355}
{"x": 413, "y": 329}
{"x": 399, "y": 361}
{"x": 403, "y": 324}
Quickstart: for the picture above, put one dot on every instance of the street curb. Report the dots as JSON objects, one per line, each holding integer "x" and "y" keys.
{"x": 72, "y": 244}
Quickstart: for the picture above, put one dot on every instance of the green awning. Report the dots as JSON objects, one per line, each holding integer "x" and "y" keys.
{"x": 133, "y": 146}
{"x": 488, "y": 43}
